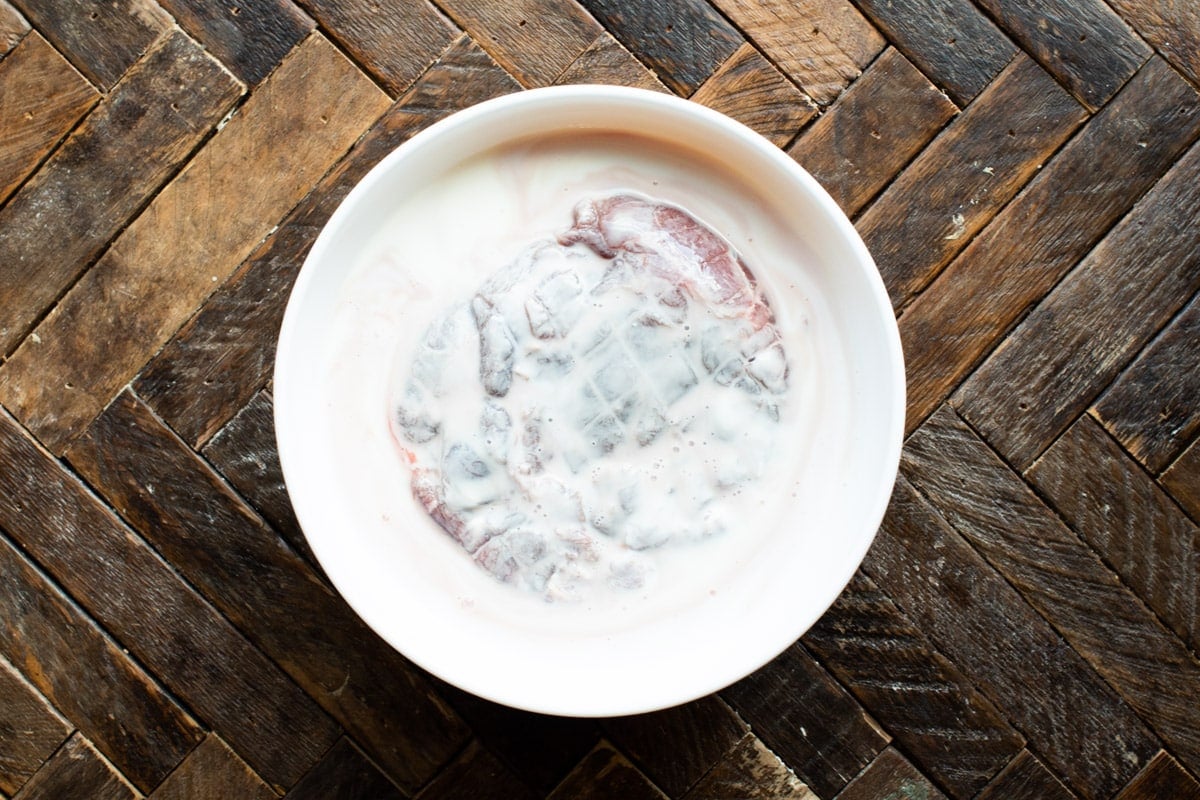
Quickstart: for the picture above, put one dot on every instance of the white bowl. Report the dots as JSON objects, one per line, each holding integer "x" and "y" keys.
{"x": 414, "y": 587}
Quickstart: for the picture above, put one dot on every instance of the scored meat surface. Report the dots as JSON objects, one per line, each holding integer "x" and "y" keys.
{"x": 607, "y": 394}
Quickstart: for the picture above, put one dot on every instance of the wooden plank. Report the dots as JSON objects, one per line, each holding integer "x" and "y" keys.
{"x": 1172, "y": 27}
{"x": 822, "y": 45}
{"x": 1026, "y": 777}
{"x": 1024, "y": 252}
{"x": 84, "y": 674}
{"x": 90, "y": 188}
{"x": 478, "y": 775}
{"x": 605, "y": 773}
{"x": 250, "y": 38}
{"x": 41, "y": 98}
{"x": 607, "y": 61}
{"x": 1069, "y": 715}
{"x": 224, "y": 354}
{"x": 1081, "y": 42}
{"x": 193, "y": 650}
{"x": 534, "y": 40}
{"x": 30, "y": 729}
{"x": 1151, "y": 409}
{"x": 811, "y": 722}
{"x": 1162, "y": 778}
{"x": 959, "y": 182}
{"x": 13, "y": 27}
{"x": 750, "y": 772}
{"x": 683, "y": 41}
{"x": 102, "y": 44}
{"x": 212, "y": 770}
{"x": 1128, "y": 520}
{"x": 191, "y": 237}
{"x": 224, "y": 549}
{"x": 677, "y": 746}
{"x": 344, "y": 773}
{"x": 395, "y": 39}
{"x": 748, "y": 88}
{"x": 884, "y": 119}
{"x": 890, "y": 775}
{"x": 932, "y": 709}
{"x": 1060, "y": 576}
{"x": 1050, "y": 369}
{"x": 77, "y": 770}
{"x": 1182, "y": 480}
{"x": 958, "y": 47}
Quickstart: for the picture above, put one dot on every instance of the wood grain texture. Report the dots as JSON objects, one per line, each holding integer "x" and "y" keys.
{"x": 189, "y": 239}
{"x": 892, "y": 776}
{"x": 249, "y": 38}
{"x": 212, "y": 770}
{"x": 936, "y": 715}
{"x": 1182, "y": 480}
{"x": 344, "y": 773}
{"x": 478, "y": 775}
{"x": 951, "y": 41}
{"x": 1069, "y": 716}
{"x": 1051, "y": 368}
{"x": 1082, "y": 42}
{"x": 884, "y": 119}
{"x": 1060, "y": 576}
{"x": 1151, "y": 407}
{"x": 90, "y": 188}
{"x": 750, "y": 771}
{"x": 749, "y": 89}
{"x": 103, "y": 43}
{"x": 1026, "y": 777}
{"x": 30, "y": 729}
{"x": 805, "y": 716}
{"x": 682, "y": 41}
{"x": 214, "y": 365}
{"x": 1015, "y": 260}
{"x": 606, "y": 61}
{"x": 1162, "y": 778}
{"x": 196, "y": 653}
{"x": 227, "y": 551}
{"x": 958, "y": 183}
{"x": 822, "y": 45}
{"x": 87, "y": 677}
{"x": 1128, "y": 520}
{"x": 1172, "y": 27}
{"x": 76, "y": 770}
{"x": 605, "y": 773}
{"x": 41, "y": 98}
{"x": 13, "y": 27}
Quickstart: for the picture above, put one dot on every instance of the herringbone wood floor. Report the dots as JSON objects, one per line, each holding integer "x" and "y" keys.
{"x": 1027, "y": 176}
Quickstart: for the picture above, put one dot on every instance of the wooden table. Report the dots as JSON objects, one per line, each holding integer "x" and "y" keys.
{"x": 1026, "y": 175}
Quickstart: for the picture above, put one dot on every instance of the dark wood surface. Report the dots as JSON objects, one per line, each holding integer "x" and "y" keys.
{"x": 1027, "y": 175}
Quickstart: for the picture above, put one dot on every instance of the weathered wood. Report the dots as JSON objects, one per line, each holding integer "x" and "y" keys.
{"x": 41, "y": 98}
{"x": 959, "y": 182}
{"x": 890, "y": 775}
{"x": 605, "y": 773}
{"x": 1172, "y": 27}
{"x": 224, "y": 354}
{"x": 250, "y": 38}
{"x": 1069, "y": 715}
{"x": 748, "y": 88}
{"x": 76, "y": 770}
{"x": 958, "y": 47}
{"x": 1013, "y": 262}
{"x": 13, "y": 27}
{"x": 212, "y": 770}
{"x": 346, "y": 774}
{"x": 1028, "y": 778}
{"x": 223, "y": 548}
{"x": 1129, "y": 521}
{"x": 1082, "y": 42}
{"x": 936, "y": 715}
{"x": 1162, "y": 778}
{"x": 189, "y": 239}
{"x": 1152, "y": 407}
{"x": 193, "y": 650}
{"x": 750, "y": 772}
{"x": 30, "y": 729}
{"x": 478, "y": 775}
{"x": 1182, "y": 480}
{"x": 863, "y": 140}
{"x": 90, "y": 188}
{"x": 811, "y": 722}
{"x": 683, "y": 41}
{"x": 677, "y": 746}
{"x": 1077, "y": 340}
{"x": 395, "y": 39}
{"x": 85, "y": 675}
{"x": 104, "y": 43}
{"x": 1060, "y": 576}
{"x": 607, "y": 61}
